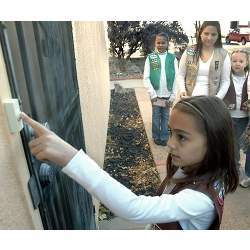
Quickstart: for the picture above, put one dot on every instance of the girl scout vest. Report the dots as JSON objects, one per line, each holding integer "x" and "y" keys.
{"x": 215, "y": 70}
{"x": 230, "y": 98}
{"x": 155, "y": 70}
{"x": 215, "y": 193}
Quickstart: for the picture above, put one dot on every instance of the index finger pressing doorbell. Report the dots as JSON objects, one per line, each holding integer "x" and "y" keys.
{"x": 13, "y": 112}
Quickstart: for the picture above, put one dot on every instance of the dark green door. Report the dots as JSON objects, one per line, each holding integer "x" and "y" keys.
{"x": 40, "y": 62}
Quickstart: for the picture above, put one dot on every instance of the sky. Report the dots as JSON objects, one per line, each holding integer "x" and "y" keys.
{"x": 125, "y": 10}
{"x": 189, "y": 27}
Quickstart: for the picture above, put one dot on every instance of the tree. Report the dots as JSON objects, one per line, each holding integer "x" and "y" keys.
{"x": 122, "y": 34}
{"x": 197, "y": 26}
{"x": 134, "y": 39}
{"x": 127, "y": 37}
{"x": 176, "y": 32}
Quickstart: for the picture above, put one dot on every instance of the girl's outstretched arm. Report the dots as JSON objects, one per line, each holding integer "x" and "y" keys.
{"x": 118, "y": 198}
{"x": 48, "y": 146}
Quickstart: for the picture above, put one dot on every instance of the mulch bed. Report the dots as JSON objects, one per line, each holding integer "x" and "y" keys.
{"x": 128, "y": 157}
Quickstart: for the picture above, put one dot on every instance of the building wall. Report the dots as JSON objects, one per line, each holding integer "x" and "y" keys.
{"x": 16, "y": 210}
{"x": 94, "y": 88}
{"x": 93, "y": 79}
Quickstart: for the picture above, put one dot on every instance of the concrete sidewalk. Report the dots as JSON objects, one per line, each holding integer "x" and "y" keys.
{"x": 237, "y": 205}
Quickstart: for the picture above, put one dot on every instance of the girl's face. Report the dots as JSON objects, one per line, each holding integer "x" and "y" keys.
{"x": 209, "y": 36}
{"x": 161, "y": 44}
{"x": 187, "y": 145}
{"x": 239, "y": 62}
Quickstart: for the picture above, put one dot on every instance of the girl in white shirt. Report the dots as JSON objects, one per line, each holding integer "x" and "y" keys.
{"x": 198, "y": 173}
{"x": 237, "y": 100}
{"x": 160, "y": 72}
{"x": 204, "y": 68}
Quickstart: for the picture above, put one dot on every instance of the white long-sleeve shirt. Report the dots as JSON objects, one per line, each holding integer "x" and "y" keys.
{"x": 201, "y": 85}
{"x": 193, "y": 209}
{"x": 238, "y": 82}
{"x": 162, "y": 91}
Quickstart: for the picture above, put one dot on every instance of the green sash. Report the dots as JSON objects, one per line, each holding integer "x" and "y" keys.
{"x": 155, "y": 70}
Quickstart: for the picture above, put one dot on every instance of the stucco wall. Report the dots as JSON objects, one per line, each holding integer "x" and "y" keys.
{"x": 16, "y": 210}
{"x": 93, "y": 79}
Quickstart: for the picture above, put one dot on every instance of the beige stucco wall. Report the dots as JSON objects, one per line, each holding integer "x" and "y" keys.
{"x": 93, "y": 79}
{"x": 16, "y": 210}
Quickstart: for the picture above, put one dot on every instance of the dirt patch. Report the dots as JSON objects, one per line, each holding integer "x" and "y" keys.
{"x": 122, "y": 69}
{"x": 128, "y": 157}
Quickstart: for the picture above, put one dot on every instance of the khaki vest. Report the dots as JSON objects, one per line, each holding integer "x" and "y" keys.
{"x": 215, "y": 70}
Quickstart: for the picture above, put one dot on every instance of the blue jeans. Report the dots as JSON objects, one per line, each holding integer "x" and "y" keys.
{"x": 160, "y": 123}
{"x": 247, "y": 165}
{"x": 239, "y": 125}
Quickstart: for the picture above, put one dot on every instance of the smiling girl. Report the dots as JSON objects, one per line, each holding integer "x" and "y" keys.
{"x": 205, "y": 67}
{"x": 159, "y": 79}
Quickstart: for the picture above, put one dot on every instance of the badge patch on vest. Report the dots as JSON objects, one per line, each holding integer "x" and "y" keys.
{"x": 219, "y": 189}
{"x": 192, "y": 69}
{"x": 216, "y": 65}
{"x": 191, "y": 51}
{"x": 154, "y": 62}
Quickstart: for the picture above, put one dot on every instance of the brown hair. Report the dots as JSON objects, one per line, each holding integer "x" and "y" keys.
{"x": 163, "y": 34}
{"x": 218, "y": 43}
{"x": 214, "y": 121}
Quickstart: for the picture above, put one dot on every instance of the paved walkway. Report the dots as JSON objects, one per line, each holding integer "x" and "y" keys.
{"x": 237, "y": 205}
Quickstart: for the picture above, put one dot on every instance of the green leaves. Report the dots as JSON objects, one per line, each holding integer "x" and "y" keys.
{"x": 126, "y": 37}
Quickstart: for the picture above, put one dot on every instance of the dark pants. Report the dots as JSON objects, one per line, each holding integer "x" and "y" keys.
{"x": 240, "y": 125}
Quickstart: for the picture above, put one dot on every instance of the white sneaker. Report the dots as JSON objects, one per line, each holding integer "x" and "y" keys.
{"x": 245, "y": 183}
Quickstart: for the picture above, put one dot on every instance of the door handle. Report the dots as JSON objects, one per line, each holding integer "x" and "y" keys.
{"x": 46, "y": 173}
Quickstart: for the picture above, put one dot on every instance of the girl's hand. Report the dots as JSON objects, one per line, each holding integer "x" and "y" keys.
{"x": 48, "y": 146}
{"x": 153, "y": 100}
{"x": 183, "y": 94}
